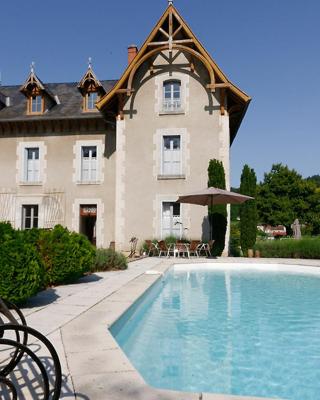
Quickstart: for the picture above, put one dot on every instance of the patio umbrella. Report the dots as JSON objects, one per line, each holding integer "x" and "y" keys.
{"x": 212, "y": 196}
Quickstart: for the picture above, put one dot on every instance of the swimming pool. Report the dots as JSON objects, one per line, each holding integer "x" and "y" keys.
{"x": 233, "y": 329}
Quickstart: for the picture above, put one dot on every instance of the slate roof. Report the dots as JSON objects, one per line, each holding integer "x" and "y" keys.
{"x": 68, "y": 95}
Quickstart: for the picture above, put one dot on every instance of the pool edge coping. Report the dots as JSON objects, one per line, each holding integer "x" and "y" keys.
{"x": 109, "y": 360}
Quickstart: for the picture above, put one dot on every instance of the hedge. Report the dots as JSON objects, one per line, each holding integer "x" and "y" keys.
{"x": 21, "y": 269}
{"x": 32, "y": 259}
{"x": 308, "y": 248}
{"x": 66, "y": 255}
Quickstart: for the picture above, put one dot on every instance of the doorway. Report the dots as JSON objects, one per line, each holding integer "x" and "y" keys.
{"x": 87, "y": 223}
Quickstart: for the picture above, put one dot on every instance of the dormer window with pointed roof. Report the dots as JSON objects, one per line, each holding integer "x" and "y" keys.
{"x": 36, "y": 94}
{"x": 91, "y": 90}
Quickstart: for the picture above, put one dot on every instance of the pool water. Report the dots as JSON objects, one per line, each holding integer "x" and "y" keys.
{"x": 253, "y": 333}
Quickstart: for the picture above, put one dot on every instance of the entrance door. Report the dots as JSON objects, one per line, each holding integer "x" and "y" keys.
{"x": 171, "y": 220}
{"x": 88, "y": 219}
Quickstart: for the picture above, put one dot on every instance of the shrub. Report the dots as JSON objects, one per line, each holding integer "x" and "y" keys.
{"x": 217, "y": 213}
{"x": 170, "y": 240}
{"x": 6, "y": 231}
{"x": 248, "y": 210}
{"x": 109, "y": 259}
{"x": 21, "y": 270}
{"x": 234, "y": 248}
{"x": 66, "y": 255}
{"x": 308, "y": 248}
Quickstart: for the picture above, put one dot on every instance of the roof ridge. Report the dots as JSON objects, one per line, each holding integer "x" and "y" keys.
{"x": 55, "y": 83}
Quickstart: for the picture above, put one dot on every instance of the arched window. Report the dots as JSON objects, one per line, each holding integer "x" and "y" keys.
{"x": 172, "y": 96}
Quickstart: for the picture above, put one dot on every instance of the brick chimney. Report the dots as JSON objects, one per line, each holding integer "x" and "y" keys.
{"x": 132, "y": 51}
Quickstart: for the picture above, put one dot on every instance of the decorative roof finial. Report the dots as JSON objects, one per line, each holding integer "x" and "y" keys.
{"x": 32, "y": 67}
{"x": 90, "y": 63}
{"x": 170, "y": 2}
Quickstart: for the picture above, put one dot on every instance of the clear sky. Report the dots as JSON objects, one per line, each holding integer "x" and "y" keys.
{"x": 270, "y": 49}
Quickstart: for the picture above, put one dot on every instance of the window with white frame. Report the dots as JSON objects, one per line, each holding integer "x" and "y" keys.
{"x": 32, "y": 164}
{"x": 30, "y": 216}
{"x": 171, "y": 155}
{"x": 171, "y": 220}
{"x": 172, "y": 96}
{"x": 89, "y": 163}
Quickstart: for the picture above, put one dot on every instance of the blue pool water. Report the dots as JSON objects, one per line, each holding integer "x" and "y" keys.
{"x": 236, "y": 332}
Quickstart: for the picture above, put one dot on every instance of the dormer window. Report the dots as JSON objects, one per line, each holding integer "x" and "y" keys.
{"x": 90, "y": 101}
{"x": 36, "y": 104}
{"x": 172, "y": 96}
{"x": 39, "y": 98}
{"x": 91, "y": 90}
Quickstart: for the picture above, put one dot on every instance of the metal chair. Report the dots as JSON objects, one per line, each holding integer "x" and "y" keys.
{"x": 152, "y": 247}
{"x": 16, "y": 335}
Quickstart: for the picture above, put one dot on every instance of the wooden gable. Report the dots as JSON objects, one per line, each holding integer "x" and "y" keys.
{"x": 172, "y": 34}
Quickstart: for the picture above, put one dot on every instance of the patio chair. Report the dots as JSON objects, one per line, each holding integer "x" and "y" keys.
{"x": 133, "y": 246}
{"x": 152, "y": 247}
{"x": 16, "y": 341}
{"x": 206, "y": 248}
{"x": 194, "y": 247}
{"x": 163, "y": 248}
{"x": 181, "y": 248}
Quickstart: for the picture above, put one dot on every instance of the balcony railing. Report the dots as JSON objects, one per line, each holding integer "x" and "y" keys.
{"x": 172, "y": 105}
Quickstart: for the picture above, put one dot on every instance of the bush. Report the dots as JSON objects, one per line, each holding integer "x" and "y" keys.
{"x": 6, "y": 231}
{"x": 308, "y": 248}
{"x": 170, "y": 240}
{"x": 109, "y": 259}
{"x": 21, "y": 270}
{"x": 234, "y": 248}
{"x": 66, "y": 255}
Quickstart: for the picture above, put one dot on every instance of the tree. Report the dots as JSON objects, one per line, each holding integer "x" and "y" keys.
{"x": 284, "y": 196}
{"x": 315, "y": 179}
{"x": 248, "y": 210}
{"x": 217, "y": 213}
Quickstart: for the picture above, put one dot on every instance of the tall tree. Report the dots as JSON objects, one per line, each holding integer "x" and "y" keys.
{"x": 248, "y": 210}
{"x": 284, "y": 196}
{"x": 217, "y": 213}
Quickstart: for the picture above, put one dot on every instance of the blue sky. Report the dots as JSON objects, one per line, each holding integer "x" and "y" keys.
{"x": 270, "y": 49}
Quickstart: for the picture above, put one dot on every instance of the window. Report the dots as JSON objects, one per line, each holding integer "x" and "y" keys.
{"x": 171, "y": 220}
{"x": 171, "y": 155}
{"x": 89, "y": 163}
{"x": 30, "y": 215}
{"x": 35, "y": 104}
{"x": 32, "y": 164}
{"x": 172, "y": 96}
{"x": 90, "y": 101}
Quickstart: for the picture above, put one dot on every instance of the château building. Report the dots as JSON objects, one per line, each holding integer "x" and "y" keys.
{"x": 110, "y": 158}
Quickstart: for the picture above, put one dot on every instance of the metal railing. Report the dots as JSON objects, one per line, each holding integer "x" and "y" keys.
{"x": 171, "y": 105}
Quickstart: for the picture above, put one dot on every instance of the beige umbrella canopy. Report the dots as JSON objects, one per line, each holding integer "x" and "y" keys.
{"x": 212, "y": 196}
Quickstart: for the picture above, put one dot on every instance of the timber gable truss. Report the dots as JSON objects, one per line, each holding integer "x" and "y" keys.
{"x": 171, "y": 37}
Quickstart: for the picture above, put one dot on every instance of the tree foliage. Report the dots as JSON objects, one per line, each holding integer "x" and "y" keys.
{"x": 217, "y": 213}
{"x": 284, "y": 196}
{"x": 248, "y": 210}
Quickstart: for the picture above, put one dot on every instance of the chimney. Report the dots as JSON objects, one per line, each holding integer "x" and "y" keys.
{"x": 132, "y": 52}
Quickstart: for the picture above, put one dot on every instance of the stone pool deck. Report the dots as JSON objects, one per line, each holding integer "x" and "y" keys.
{"x": 75, "y": 319}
